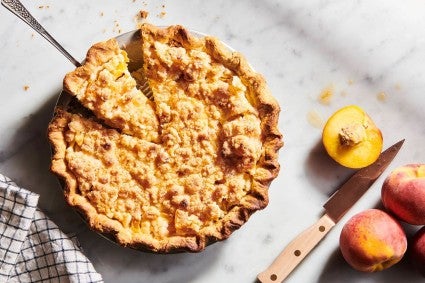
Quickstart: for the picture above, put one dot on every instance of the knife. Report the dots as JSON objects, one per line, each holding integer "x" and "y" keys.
{"x": 335, "y": 208}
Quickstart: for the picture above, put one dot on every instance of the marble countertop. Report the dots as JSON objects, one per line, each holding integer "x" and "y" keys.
{"x": 369, "y": 53}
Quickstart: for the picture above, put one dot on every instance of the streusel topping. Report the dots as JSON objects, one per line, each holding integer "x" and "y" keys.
{"x": 177, "y": 172}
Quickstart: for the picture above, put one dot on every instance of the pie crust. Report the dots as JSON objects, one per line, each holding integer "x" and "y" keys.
{"x": 178, "y": 172}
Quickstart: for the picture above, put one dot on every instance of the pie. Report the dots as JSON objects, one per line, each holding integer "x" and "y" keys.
{"x": 176, "y": 172}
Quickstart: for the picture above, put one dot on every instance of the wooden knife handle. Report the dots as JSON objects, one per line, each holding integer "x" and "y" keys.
{"x": 296, "y": 251}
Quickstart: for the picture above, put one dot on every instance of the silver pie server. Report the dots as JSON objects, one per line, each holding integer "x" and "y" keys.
{"x": 19, "y": 10}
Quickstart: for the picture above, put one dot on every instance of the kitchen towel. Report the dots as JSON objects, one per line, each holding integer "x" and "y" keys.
{"x": 32, "y": 247}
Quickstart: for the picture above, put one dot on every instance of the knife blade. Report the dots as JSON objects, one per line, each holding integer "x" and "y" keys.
{"x": 335, "y": 208}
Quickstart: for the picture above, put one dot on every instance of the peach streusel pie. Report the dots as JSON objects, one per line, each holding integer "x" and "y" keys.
{"x": 177, "y": 172}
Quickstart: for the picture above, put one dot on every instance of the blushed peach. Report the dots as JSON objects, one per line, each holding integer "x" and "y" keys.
{"x": 403, "y": 193}
{"x": 372, "y": 240}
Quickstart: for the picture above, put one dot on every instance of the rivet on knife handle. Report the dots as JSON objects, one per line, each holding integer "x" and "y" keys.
{"x": 296, "y": 250}
{"x": 336, "y": 206}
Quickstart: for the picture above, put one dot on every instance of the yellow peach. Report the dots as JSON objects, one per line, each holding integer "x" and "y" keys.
{"x": 372, "y": 240}
{"x": 351, "y": 138}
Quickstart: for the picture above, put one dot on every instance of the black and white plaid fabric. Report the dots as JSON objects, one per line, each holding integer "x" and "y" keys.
{"x": 32, "y": 248}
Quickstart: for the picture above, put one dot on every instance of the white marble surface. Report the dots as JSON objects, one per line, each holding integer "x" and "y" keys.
{"x": 370, "y": 53}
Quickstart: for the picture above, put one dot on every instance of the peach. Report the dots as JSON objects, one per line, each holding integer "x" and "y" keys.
{"x": 417, "y": 250}
{"x": 372, "y": 240}
{"x": 403, "y": 193}
{"x": 351, "y": 138}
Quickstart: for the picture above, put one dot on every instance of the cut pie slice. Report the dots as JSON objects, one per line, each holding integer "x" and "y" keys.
{"x": 181, "y": 171}
{"x": 105, "y": 86}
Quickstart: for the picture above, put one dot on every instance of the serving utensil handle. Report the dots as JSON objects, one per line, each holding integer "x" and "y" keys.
{"x": 296, "y": 251}
{"x": 18, "y": 9}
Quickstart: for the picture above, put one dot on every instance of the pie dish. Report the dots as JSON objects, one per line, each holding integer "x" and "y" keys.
{"x": 177, "y": 172}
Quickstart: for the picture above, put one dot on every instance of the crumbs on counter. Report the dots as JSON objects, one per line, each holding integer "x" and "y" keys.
{"x": 102, "y": 14}
{"x": 162, "y": 14}
{"x": 43, "y": 7}
{"x": 326, "y": 95}
{"x": 26, "y": 87}
{"x": 315, "y": 119}
{"x": 117, "y": 27}
{"x": 382, "y": 96}
{"x": 144, "y": 3}
{"x": 143, "y": 14}
{"x": 141, "y": 17}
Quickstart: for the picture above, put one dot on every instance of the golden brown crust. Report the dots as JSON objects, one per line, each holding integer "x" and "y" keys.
{"x": 207, "y": 169}
{"x": 104, "y": 85}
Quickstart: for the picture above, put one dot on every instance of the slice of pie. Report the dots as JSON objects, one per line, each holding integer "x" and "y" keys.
{"x": 178, "y": 172}
{"x": 105, "y": 86}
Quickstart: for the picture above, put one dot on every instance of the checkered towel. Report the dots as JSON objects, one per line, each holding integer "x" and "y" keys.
{"x": 32, "y": 248}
